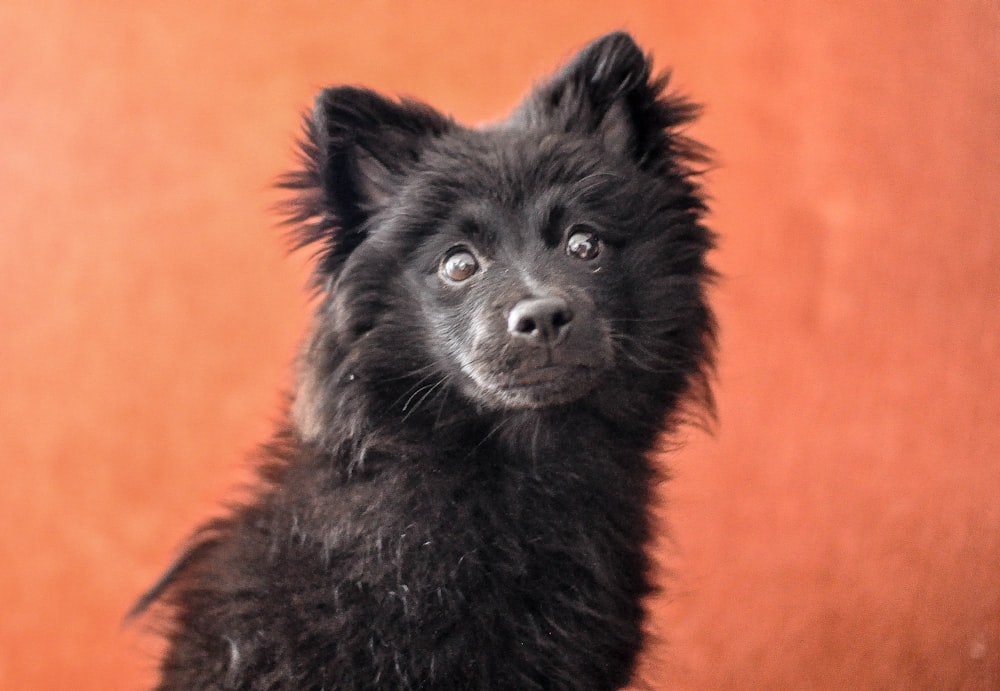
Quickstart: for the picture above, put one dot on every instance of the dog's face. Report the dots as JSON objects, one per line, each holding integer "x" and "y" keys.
{"x": 525, "y": 265}
{"x": 519, "y": 282}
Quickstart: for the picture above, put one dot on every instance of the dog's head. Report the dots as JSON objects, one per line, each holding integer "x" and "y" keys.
{"x": 552, "y": 259}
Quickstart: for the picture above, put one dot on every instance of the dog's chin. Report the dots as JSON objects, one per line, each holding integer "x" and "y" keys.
{"x": 544, "y": 387}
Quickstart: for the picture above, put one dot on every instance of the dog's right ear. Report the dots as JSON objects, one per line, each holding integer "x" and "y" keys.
{"x": 357, "y": 146}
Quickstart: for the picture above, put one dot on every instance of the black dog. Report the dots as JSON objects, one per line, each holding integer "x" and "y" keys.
{"x": 510, "y": 317}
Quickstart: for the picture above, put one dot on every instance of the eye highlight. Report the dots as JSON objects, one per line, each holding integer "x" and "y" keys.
{"x": 458, "y": 265}
{"x": 583, "y": 243}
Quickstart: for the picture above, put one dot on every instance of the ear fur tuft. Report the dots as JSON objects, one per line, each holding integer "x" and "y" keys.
{"x": 607, "y": 91}
{"x": 355, "y": 147}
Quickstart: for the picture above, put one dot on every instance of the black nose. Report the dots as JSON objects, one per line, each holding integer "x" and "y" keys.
{"x": 544, "y": 321}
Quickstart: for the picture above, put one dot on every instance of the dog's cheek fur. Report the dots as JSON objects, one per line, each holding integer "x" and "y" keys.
{"x": 367, "y": 346}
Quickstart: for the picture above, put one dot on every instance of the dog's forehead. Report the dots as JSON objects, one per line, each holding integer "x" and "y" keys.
{"x": 503, "y": 187}
{"x": 512, "y": 160}
{"x": 502, "y": 172}
{"x": 495, "y": 222}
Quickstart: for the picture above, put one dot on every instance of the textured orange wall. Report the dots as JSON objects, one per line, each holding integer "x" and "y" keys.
{"x": 842, "y": 527}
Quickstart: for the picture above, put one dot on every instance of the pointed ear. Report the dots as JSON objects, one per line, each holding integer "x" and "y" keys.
{"x": 607, "y": 91}
{"x": 357, "y": 147}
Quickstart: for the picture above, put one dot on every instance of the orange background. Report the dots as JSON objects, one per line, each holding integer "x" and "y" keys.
{"x": 840, "y": 530}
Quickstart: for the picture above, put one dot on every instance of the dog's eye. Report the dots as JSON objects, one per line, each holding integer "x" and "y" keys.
{"x": 583, "y": 243}
{"x": 459, "y": 266}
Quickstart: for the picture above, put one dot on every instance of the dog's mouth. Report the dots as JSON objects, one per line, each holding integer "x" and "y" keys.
{"x": 510, "y": 370}
{"x": 537, "y": 387}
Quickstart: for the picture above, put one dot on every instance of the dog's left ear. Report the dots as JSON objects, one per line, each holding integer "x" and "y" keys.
{"x": 607, "y": 91}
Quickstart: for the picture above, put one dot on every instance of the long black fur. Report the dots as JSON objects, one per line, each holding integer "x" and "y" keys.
{"x": 460, "y": 498}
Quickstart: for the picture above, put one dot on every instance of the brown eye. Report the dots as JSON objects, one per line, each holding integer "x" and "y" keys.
{"x": 459, "y": 266}
{"x": 583, "y": 243}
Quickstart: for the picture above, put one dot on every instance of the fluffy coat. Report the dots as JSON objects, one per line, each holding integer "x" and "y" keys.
{"x": 509, "y": 319}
